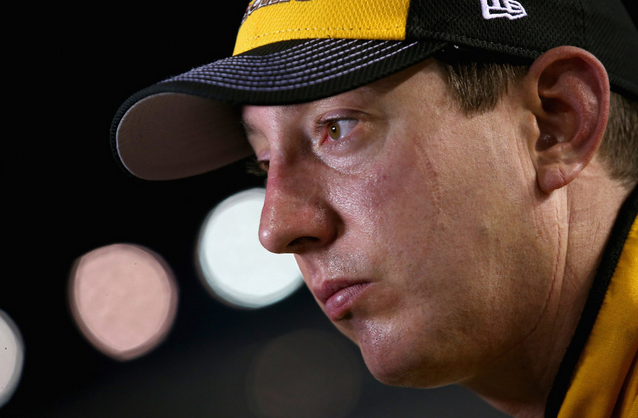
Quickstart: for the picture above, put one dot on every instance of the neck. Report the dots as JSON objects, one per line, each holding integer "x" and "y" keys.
{"x": 519, "y": 382}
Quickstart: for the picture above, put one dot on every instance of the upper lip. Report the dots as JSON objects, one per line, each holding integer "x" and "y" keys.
{"x": 328, "y": 288}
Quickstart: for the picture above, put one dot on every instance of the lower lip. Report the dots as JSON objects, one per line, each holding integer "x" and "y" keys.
{"x": 338, "y": 304}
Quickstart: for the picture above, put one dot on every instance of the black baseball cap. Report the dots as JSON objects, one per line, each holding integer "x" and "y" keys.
{"x": 294, "y": 51}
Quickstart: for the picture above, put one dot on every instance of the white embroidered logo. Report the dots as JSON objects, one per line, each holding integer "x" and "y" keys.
{"x": 502, "y": 8}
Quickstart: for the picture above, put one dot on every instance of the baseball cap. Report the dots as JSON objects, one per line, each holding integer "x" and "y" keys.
{"x": 294, "y": 51}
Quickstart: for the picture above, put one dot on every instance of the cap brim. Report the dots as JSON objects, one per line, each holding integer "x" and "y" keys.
{"x": 189, "y": 124}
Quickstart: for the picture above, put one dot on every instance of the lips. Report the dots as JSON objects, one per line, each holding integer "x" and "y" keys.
{"x": 338, "y": 296}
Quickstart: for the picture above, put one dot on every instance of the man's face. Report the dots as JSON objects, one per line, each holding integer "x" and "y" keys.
{"x": 413, "y": 224}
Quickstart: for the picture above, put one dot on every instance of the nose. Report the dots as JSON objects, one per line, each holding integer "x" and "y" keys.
{"x": 297, "y": 216}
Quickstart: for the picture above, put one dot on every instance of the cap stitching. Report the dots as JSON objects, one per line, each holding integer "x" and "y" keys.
{"x": 311, "y": 82}
{"x": 307, "y": 48}
{"x": 281, "y": 81}
{"x": 322, "y": 29}
{"x": 258, "y": 64}
{"x": 446, "y": 37}
{"x": 311, "y": 51}
{"x": 315, "y": 58}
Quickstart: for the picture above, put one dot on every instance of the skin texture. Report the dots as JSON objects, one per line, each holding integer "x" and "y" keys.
{"x": 457, "y": 231}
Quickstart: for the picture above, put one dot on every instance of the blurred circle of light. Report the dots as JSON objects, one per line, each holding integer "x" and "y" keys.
{"x": 11, "y": 357}
{"x": 233, "y": 264}
{"x": 305, "y": 374}
{"x": 124, "y": 299}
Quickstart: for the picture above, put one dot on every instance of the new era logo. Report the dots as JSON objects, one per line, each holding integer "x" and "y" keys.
{"x": 502, "y": 8}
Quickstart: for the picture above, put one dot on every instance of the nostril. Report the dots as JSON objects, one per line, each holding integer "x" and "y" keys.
{"x": 297, "y": 244}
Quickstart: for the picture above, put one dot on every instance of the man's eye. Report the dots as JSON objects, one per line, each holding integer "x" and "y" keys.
{"x": 264, "y": 166}
{"x": 258, "y": 168}
{"x": 337, "y": 129}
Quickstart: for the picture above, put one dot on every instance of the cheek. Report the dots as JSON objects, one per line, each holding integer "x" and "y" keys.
{"x": 303, "y": 269}
{"x": 397, "y": 186}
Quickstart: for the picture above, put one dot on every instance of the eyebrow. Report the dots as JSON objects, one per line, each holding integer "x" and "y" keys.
{"x": 249, "y": 129}
{"x": 376, "y": 88}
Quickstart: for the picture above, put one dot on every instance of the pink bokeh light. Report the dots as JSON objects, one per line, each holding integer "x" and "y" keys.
{"x": 124, "y": 299}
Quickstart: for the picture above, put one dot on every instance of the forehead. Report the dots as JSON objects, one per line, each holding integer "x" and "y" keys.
{"x": 362, "y": 97}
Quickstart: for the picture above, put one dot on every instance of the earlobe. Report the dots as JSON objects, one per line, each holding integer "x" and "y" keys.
{"x": 571, "y": 92}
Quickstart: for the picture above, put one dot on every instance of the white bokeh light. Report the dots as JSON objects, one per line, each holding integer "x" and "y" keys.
{"x": 11, "y": 357}
{"x": 233, "y": 264}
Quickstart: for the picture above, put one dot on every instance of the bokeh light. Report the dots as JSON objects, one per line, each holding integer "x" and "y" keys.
{"x": 11, "y": 357}
{"x": 123, "y": 298}
{"x": 233, "y": 264}
{"x": 305, "y": 374}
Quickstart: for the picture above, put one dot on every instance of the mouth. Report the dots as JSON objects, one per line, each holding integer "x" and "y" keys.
{"x": 338, "y": 296}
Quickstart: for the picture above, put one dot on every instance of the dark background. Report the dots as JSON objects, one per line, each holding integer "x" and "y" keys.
{"x": 67, "y": 72}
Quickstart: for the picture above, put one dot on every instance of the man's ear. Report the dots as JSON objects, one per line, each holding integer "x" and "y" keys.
{"x": 570, "y": 91}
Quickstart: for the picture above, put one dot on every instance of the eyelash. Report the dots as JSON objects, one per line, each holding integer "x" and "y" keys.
{"x": 256, "y": 167}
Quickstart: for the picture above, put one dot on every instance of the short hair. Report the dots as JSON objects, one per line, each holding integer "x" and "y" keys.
{"x": 478, "y": 85}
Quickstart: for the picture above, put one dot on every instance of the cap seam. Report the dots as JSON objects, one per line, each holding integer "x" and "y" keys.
{"x": 473, "y": 42}
{"x": 301, "y": 65}
{"x": 323, "y": 29}
{"x": 297, "y": 82}
{"x": 275, "y": 68}
{"x": 280, "y": 59}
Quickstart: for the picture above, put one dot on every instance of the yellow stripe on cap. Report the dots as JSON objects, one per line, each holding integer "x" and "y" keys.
{"x": 269, "y": 21}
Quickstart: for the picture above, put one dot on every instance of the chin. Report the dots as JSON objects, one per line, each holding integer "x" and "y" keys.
{"x": 395, "y": 360}
{"x": 406, "y": 376}
{"x": 392, "y": 377}
{"x": 407, "y": 369}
